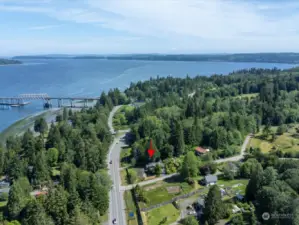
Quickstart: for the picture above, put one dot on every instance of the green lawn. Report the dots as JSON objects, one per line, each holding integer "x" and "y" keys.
{"x": 160, "y": 194}
{"x": 287, "y": 142}
{"x": 155, "y": 216}
{"x": 230, "y": 184}
{"x": 130, "y": 207}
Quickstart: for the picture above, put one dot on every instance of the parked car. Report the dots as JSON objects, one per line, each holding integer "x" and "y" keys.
{"x": 191, "y": 213}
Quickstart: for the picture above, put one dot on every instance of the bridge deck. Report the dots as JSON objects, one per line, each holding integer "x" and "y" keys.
{"x": 49, "y": 98}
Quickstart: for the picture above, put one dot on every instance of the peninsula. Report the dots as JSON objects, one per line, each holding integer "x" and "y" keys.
{"x": 9, "y": 61}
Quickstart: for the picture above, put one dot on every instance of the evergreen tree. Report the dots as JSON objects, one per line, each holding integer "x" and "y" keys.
{"x": 190, "y": 166}
{"x": 99, "y": 198}
{"x": 17, "y": 199}
{"x": 214, "y": 206}
{"x": 34, "y": 214}
{"x": 56, "y": 205}
{"x": 255, "y": 182}
{"x": 40, "y": 172}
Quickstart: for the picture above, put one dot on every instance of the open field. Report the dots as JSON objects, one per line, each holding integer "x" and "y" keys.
{"x": 161, "y": 194}
{"x": 168, "y": 212}
{"x": 287, "y": 142}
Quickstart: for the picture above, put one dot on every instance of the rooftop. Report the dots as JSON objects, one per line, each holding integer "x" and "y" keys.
{"x": 201, "y": 150}
{"x": 211, "y": 178}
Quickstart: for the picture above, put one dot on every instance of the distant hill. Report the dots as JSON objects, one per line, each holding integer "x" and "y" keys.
{"x": 9, "y": 61}
{"x": 292, "y": 58}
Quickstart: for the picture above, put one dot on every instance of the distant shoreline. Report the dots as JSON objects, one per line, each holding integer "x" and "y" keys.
{"x": 287, "y": 58}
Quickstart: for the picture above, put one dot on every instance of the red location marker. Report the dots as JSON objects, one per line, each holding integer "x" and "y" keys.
{"x": 151, "y": 151}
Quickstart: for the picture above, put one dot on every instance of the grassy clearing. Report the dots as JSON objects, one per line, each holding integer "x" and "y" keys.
{"x": 287, "y": 142}
{"x": 237, "y": 186}
{"x": 130, "y": 207}
{"x": 160, "y": 193}
{"x": 155, "y": 216}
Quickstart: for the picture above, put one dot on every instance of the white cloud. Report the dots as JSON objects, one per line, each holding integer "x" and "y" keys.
{"x": 187, "y": 25}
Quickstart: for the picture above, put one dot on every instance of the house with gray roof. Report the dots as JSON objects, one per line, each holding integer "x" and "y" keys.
{"x": 210, "y": 180}
{"x": 150, "y": 167}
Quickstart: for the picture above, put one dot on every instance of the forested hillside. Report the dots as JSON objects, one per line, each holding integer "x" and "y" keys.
{"x": 58, "y": 173}
{"x": 217, "y": 113}
{"x": 59, "y": 176}
{"x": 220, "y": 113}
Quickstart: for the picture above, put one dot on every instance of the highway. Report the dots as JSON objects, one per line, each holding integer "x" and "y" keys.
{"x": 116, "y": 204}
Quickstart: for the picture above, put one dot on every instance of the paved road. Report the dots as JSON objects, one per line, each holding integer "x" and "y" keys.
{"x": 238, "y": 157}
{"x": 128, "y": 187}
{"x": 116, "y": 205}
{"x": 110, "y": 119}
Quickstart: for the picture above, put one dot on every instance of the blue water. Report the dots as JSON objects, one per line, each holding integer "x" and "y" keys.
{"x": 89, "y": 77}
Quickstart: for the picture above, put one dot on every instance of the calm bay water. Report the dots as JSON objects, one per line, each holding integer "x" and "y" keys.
{"x": 89, "y": 77}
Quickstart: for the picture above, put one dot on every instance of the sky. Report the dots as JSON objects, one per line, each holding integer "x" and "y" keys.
{"x": 148, "y": 26}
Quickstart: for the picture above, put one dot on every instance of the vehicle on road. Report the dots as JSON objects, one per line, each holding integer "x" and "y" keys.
{"x": 110, "y": 162}
{"x": 114, "y": 221}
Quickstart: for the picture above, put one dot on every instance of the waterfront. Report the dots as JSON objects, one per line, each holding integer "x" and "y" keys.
{"x": 89, "y": 77}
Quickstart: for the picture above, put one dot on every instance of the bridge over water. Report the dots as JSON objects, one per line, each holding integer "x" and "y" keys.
{"x": 24, "y": 99}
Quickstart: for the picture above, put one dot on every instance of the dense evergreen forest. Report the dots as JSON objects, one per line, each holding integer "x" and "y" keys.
{"x": 9, "y": 61}
{"x": 215, "y": 116}
{"x": 63, "y": 167}
{"x": 245, "y": 57}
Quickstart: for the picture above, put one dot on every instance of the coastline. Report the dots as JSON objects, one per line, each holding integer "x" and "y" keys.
{"x": 21, "y": 125}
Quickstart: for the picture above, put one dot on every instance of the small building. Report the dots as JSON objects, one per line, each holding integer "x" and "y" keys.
{"x": 200, "y": 150}
{"x": 150, "y": 167}
{"x": 210, "y": 180}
